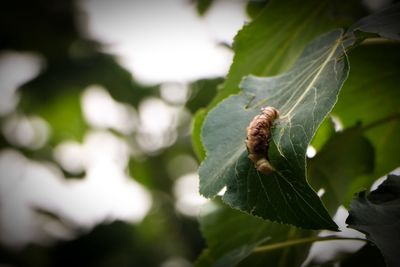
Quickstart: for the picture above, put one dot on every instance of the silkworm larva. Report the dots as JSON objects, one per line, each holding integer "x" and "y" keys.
{"x": 258, "y": 137}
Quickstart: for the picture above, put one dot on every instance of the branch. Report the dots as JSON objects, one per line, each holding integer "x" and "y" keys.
{"x": 303, "y": 241}
{"x": 392, "y": 117}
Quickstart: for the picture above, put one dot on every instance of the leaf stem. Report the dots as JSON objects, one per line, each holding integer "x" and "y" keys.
{"x": 384, "y": 120}
{"x": 300, "y": 241}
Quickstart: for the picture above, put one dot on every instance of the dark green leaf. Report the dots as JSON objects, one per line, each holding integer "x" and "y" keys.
{"x": 228, "y": 231}
{"x": 254, "y": 7}
{"x": 378, "y": 216}
{"x": 385, "y": 23}
{"x": 367, "y": 256}
{"x": 202, "y": 92}
{"x": 64, "y": 115}
{"x": 235, "y": 256}
{"x": 271, "y": 43}
{"x": 203, "y": 6}
{"x": 205, "y": 259}
{"x": 48, "y": 28}
{"x": 344, "y": 157}
{"x": 304, "y": 96}
{"x": 196, "y": 133}
{"x": 325, "y": 131}
{"x": 370, "y": 97}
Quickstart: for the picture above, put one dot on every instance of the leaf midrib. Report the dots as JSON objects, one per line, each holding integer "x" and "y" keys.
{"x": 314, "y": 80}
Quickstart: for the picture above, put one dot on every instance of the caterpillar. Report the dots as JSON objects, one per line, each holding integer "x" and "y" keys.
{"x": 258, "y": 137}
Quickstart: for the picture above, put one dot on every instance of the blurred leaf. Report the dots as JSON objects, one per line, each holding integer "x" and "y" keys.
{"x": 71, "y": 64}
{"x": 45, "y": 26}
{"x": 55, "y": 94}
{"x": 378, "y": 216}
{"x": 345, "y": 156}
{"x": 370, "y": 96}
{"x": 205, "y": 259}
{"x": 196, "y": 133}
{"x": 202, "y": 92}
{"x": 367, "y": 256}
{"x": 106, "y": 245}
{"x": 64, "y": 115}
{"x": 30, "y": 256}
{"x": 233, "y": 257}
{"x": 149, "y": 170}
{"x": 78, "y": 73}
{"x": 304, "y": 96}
{"x": 203, "y": 6}
{"x": 114, "y": 244}
{"x": 255, "y": 7}
{"x": 162, "y": 227}
{"x": 385, "y": 23}
{"x": 325, "y": 131}
{"x": 152, "y": 170}
{"x": 228, "y": 231}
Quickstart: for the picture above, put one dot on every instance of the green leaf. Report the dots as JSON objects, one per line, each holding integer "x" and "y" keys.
{"x": 235, "y": 256}
{"x": 203, "y": 6}
{"x": 196, "y": 133}
{"x": 202, "y": 92}
{"x": 205, "y": 259}
{"x": 269, "y": 45}
{"x": 64, "y": 115}
{"x": 370, "y": 97}
{"x": 344, "y": 157}
{"x": 325, "y": 131}
{"x": 367, "y": 256}
{"x": 229, "y": 231}
{"x": 304, "y": 96}
{"x": 385, "y": 23}
{"x": 254, "y": 7}
{"x": 378, "y": 216}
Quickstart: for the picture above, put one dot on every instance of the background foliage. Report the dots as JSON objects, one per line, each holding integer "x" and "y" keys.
{"x": 53, "y": 31}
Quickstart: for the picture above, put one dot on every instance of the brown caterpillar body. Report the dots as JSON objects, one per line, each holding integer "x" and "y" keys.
{"x": 258, "y": 136}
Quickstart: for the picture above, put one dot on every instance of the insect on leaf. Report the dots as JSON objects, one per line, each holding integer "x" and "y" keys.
{"x": 303, "y": 96}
